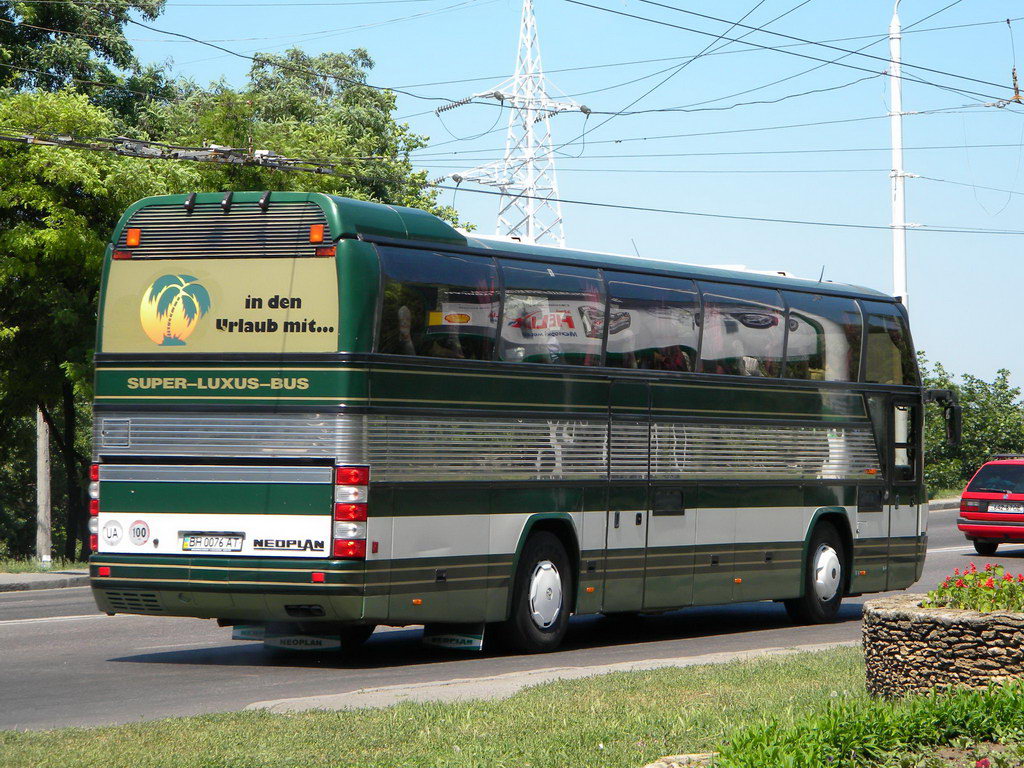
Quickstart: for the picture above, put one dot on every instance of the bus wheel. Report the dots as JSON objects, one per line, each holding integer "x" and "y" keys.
{"x": 983, "y": 547}
{"x": 540, "y": 596}
{"x": 823, "y": 579}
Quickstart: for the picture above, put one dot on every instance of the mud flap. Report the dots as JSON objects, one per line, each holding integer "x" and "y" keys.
{"x": 460, "y": 637}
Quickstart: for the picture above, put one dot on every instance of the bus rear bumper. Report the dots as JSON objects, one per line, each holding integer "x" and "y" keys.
{"x": 241, "y": 589}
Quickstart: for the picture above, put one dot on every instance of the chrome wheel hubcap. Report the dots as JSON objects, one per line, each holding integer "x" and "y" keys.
{"x": 545, "y": 594}
{"x": 828, "y": 573}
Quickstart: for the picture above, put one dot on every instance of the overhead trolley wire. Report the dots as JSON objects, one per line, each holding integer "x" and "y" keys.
{"x": 271, "y": 161}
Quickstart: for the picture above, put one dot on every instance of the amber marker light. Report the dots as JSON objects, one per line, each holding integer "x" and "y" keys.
{"x": 417, "y": 601}
{"x": 316, "y": 233}
{"x": 133, "y": 237}
{"x": 737, "y": 581}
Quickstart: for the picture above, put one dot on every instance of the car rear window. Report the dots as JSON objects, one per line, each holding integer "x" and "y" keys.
{"x": 998, "y": 478}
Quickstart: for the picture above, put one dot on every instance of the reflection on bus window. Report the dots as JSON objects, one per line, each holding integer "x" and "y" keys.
{"x": 438, "y": 305}
{"x": 653, "y": 323}
{"x": 553, "y": 314}
{"x": 889, "y": 357}
{"x": 743, "y": 330}
{"x": 824, "y": 338}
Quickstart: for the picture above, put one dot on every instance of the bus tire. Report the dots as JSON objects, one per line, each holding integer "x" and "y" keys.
{"x": 985, "y": 547}
{"x": 541, "y": 596}
{"x": 824, "y": 576}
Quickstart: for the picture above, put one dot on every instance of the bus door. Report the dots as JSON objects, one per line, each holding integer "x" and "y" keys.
{"x": 671, "y": 534}
{"x": 628, "y": 514}
{"x": 908, "y": 518}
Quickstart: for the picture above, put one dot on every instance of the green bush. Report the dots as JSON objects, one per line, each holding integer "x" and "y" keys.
{"x": 992, "y": 589}
{"x": 853, "y": 734}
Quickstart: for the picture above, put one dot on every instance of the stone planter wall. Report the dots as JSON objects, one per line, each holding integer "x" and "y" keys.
{"x": 910, "y": 649}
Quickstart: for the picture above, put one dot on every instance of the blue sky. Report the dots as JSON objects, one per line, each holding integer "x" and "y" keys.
{"x": 964, "y": 288}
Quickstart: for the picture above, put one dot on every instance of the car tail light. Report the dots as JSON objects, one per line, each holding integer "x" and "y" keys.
{"x": 969, "y": 505}
{"x": 351, "y": 491}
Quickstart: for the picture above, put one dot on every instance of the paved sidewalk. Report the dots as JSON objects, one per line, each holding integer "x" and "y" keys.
{"x": 16, "y": 582}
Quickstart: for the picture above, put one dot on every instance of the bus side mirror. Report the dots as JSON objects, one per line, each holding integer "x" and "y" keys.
{"x": 952, "y": 413}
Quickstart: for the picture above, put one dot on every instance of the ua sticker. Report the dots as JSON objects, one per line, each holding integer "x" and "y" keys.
{"x": 171, "y": 308}
{"x": 112, "y": 533}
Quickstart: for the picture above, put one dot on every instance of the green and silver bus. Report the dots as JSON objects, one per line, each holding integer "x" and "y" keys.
{"x": 317, "y": 415}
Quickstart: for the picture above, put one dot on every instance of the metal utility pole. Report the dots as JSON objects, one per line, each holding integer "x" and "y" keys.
{"x": 529, "y": 208}
{"x": 43, "y": 527}
{"x": 897, "y": 175}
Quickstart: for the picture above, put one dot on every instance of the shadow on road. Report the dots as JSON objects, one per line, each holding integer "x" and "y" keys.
{"x": 402, "y": 647}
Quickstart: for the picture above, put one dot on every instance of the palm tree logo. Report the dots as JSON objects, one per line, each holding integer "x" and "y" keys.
{"x": 171, "y": 308}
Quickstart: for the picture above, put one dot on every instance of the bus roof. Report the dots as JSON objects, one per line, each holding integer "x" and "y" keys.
{"x": 352, "y": 218}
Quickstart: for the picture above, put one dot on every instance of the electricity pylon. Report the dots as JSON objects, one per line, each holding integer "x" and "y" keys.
{"x": 529, "y": 209}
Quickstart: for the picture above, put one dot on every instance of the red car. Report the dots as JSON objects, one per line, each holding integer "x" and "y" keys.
{"x": 992, "y": 505}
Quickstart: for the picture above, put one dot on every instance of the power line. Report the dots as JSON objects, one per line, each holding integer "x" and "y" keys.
{"x": 757, "y": 129}
{"x": 907, "y": 30}
{"x": 781, "y": 50}
{"x": 826, "y": 45}
{"x": 763, "y": 219}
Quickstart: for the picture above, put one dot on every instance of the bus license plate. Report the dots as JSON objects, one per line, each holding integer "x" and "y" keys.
{"x": 1001, "y": 507}
{"x": 211, "y": 542}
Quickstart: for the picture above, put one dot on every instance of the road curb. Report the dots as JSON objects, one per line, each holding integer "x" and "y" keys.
{"x": 505, "y": 685}
{"x": 943, "y": 505}
{"x": 53, "y": 581}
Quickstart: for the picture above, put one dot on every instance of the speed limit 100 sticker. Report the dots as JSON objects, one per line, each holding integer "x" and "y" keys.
{"x": 138, "y": 533}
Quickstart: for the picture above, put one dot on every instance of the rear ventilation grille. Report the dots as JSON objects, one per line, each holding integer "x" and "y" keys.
{"x": 245, "y": 231}
{"x": 135, "y": 602}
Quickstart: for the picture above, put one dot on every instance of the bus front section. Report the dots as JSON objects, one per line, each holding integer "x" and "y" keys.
{"x": 228, "y": 480}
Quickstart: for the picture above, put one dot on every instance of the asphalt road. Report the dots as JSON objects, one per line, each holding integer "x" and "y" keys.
{"x": 62, "y": 664}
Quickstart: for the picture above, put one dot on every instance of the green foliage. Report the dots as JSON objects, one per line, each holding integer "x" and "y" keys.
{"x": 857, "y": 733}
{"x": 993, "y": 423}
{"x": 96, "y": 59}
{"x": 992, "y": 589}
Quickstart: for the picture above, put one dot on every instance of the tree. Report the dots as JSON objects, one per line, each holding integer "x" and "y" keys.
{"x": 73, "y": 44}
{"x": 993, "y": 422}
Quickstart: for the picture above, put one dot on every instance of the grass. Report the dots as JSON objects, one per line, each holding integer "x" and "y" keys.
{"x": 945, "y": 493}
{"x": 619, "y": 720}
{"x": 31, "y": 565}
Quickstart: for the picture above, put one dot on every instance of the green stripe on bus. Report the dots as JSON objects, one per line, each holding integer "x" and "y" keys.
{"x": 217, "y": 498}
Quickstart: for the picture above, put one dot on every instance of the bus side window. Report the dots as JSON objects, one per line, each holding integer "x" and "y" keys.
{"x": 824, "y": 334}
{"x": 653, "y": 323}
{"x": 743, "y": 330}
{"x": 438, "y": 304}
{"x": 553, "y": 314}
{"x": 889, "y": 355}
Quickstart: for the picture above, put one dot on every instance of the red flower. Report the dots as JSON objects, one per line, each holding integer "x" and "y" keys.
{"x": 1020, "y": 577}
{"x": 956, "y": 571}
{"x": 983, "y": 763}
{"x": 961, "y": 583}
{"x": 1007, "y": 577}
{"x": 990, "y": 582}
{"x": 974, "y": 568}
{"x": 988, "y": 566}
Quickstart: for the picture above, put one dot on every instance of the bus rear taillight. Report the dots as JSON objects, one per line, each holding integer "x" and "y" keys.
{"x": 351, "y": 490}
{"x": 94, "y": 507}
